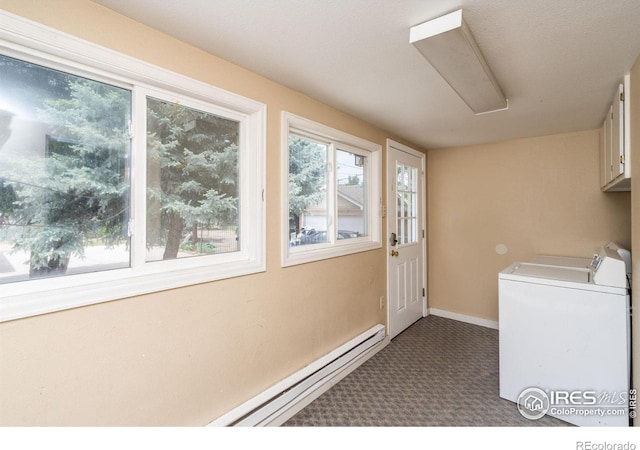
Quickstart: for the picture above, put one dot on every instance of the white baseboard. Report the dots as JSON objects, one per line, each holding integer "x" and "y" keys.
{"x": 279, "y": 403}
{"x": 464, "y": 318}
{"x": 322, "y": 387}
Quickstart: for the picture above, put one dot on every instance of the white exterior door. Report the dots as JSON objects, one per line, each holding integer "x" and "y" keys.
{"x": 406, "y": 237}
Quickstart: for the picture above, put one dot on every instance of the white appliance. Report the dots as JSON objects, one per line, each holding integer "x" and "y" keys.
{"x": 586, "y": 263}
{"x": 564, "y": 329}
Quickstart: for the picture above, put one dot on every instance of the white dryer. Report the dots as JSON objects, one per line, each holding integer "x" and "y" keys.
{"x": 565, "y": 331}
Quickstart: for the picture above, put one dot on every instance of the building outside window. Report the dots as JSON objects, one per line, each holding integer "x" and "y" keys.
{"x": 332, "y": 192}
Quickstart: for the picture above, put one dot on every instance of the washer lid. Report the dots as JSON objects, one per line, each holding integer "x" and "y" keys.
{"x": 571, "y": 274}
{"x": 567, "y": 261}
{"x": 563, "y": 277}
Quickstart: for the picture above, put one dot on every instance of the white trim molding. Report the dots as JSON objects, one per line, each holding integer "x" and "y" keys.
{"x": 464, "y": 318}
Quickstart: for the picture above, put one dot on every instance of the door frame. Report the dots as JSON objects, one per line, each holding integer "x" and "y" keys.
{"x": 423, "y": 215}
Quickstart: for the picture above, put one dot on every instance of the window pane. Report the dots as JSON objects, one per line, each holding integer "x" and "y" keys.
{"x": 308, "y": 215}
{"x": 192, "y": 182}
{"x": 64, "y": 187}
{"x": 352, "y": 194}
{"x": 407, "y": 207}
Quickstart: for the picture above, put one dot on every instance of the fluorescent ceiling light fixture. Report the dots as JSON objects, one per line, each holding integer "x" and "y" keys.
{"x": 447, "y": 43}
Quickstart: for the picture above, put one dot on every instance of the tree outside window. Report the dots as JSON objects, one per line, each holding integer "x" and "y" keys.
{"x": 192, "y": 182}
{"x": 65, "y": 176}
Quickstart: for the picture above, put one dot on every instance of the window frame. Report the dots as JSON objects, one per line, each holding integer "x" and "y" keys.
{"x": 38, "y": 44}
{"x": 336, "y": 140}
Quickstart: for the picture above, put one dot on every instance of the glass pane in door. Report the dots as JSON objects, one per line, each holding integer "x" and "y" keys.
{"x": 407, "y": 206}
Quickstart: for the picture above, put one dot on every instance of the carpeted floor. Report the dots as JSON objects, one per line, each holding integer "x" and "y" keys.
{"x": 438, "y": 372}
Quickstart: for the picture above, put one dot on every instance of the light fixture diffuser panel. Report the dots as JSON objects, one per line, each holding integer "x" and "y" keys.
{"x": 447, "y": 43}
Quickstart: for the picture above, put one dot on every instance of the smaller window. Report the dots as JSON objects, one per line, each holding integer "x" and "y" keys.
{"x": 331, "y": 189}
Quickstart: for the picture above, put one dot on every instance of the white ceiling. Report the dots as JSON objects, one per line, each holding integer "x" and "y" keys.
{"x": 558, "y": 61}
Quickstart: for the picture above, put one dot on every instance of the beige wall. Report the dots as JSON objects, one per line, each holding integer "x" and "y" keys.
{"x": 635, "y": 213}
{"x": 536, "y": 195}
{"x": 186, "y": 356}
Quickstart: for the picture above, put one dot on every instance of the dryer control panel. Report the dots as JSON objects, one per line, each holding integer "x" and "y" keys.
{"x": 609, "y": 268}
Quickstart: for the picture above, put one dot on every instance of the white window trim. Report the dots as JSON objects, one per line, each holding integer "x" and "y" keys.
{"x": 292, "y": 123}
{"x": 28, "y": 40}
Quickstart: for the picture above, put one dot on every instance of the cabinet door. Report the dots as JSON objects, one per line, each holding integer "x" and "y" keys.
{"x": 607, "y": 145}
{"x": 617, "y": 134}
{"x": 603, "y": 164}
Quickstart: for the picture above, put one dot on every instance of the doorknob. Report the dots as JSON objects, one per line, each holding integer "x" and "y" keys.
{"x": 394, "y": 253}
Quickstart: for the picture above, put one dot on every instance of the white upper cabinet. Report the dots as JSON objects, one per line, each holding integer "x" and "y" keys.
{"x": 615, "y": 173}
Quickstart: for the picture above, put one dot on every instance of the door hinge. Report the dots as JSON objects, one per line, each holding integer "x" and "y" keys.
{"x": 621, "y": 159}
{"x": 621, "y": 96}
{"x": 423, "y": 293}
{"x": 422, "y": 234}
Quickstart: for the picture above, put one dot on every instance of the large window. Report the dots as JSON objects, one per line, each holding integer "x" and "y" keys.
{"x": 64, "y": 184}
{"x": 120, "y": 179}
{"x": 332, "y": 192}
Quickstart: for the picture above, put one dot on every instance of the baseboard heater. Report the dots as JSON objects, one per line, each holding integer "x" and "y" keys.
{"x": 283, "y": 400}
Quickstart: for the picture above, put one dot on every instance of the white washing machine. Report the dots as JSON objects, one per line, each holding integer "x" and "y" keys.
{"x": 585, "y": 263}
{"x": 564, "y": 330}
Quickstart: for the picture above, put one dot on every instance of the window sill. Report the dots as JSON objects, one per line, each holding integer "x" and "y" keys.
{"x": 307, "y": 254}
{"x": 35, "y": 297}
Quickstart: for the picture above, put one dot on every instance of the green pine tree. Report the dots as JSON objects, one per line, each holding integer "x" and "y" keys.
{"x": 78, "y": 191}
{"x": 196, "y": 155}
{"x": 307, "y": 177}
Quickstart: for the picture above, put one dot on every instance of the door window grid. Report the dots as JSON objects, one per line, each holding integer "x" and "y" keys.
{"x": 407, "y": 204}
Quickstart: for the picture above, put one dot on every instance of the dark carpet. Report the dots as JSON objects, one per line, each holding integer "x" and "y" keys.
{"x": 438, "y": 372}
